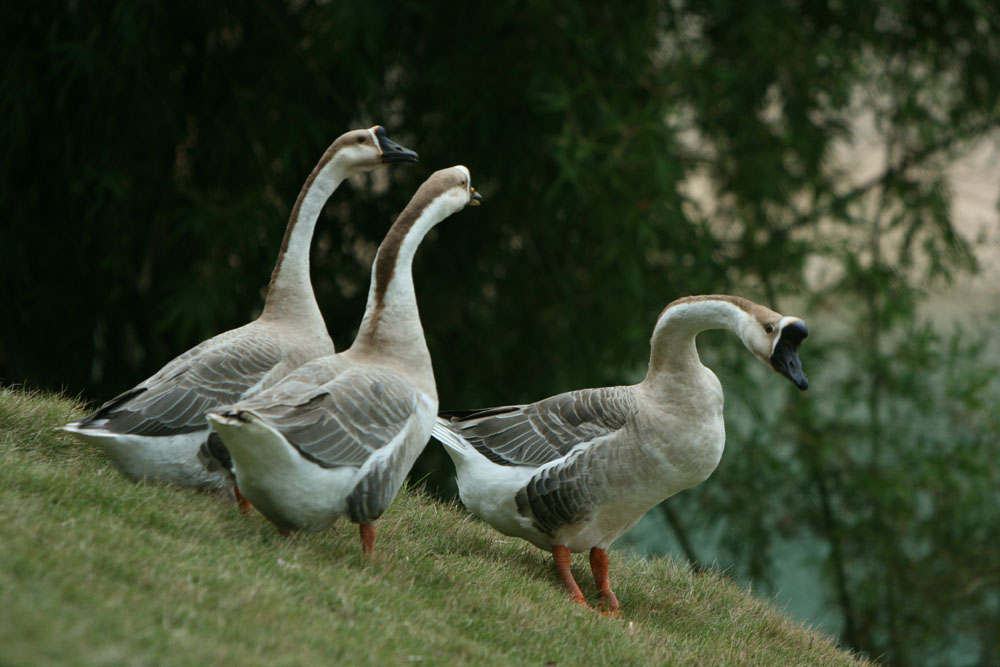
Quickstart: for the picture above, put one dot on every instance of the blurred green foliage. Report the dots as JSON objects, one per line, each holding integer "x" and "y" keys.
{"x": 630, "y": 153}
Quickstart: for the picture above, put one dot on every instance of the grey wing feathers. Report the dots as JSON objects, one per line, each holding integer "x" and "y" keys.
{"x": 175, "y": 400}
{"x": 375, "y": 491}
{"x": 566, "y": 493}
{"x": 345, "y": 420}
{"x": 540, "y": 432}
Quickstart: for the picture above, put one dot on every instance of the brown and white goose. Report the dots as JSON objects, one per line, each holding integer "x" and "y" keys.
{"x": 577, "y": 470}
{"x": 339, "y": 434}
{"x": 156, "y": 429}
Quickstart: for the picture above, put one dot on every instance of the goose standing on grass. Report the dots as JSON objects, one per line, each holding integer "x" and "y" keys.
{"x": 156, "y": 429}
{"x": 338, "y": 435}
{"x": 576, "y": 471}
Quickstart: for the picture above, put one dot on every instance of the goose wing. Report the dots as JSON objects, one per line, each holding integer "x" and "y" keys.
{"x": 338, "y": 422}
{"x": 541, "y": 432}
{"x": 216, "y": 372}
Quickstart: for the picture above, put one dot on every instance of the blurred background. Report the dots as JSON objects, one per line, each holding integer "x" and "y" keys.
{"x": 837, "y": 161}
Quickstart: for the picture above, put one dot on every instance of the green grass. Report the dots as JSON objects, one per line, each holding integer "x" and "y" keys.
{"x": 97, "y": 570}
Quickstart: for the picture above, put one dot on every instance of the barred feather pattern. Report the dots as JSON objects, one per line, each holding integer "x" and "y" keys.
{"x": 342, "y": 421}
{"x": 541, "y": 432}
{"x": 565, "y": 425}
{"x": 174, "y": 400}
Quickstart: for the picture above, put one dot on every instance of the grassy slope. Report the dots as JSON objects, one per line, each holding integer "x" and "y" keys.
{"x": 95, "y": 570}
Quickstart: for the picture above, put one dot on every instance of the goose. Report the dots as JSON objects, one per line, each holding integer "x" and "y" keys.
{"x": 337, "y": 436}
{"x": 577, "y": 470}
{"x": 157, "y": 429}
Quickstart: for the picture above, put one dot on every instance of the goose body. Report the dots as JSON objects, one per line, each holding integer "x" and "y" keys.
{"x": 576, "y": 471}
{"x": 611, "y": 464}
{"x": 337, "y": 436}
{"x": 157, "y": 429}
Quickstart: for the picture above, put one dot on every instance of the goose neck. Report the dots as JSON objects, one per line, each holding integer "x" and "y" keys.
{"x": 391, "y": 325}
{"x": 673, "y": 349}
{"x": 290, "y": 291}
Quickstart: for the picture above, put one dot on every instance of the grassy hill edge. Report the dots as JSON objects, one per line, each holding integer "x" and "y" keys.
{"x": 97, "y": 570}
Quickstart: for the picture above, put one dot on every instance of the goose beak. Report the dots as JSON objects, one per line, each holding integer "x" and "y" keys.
{"x": 475, "y": 199}
{"x": 393, "y": 153}
{"x": 785, "y": 358}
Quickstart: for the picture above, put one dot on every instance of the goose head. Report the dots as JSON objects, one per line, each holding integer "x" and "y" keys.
{"x": 449, "y": 191}
{"x": 775, "y": 339}
{"x": 359, "y": 151}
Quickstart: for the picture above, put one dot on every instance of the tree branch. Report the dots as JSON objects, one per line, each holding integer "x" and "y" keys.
{"x": 914, "y": 159}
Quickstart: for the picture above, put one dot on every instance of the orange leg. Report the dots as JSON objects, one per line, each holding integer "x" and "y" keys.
{"x": 367, "y": 531}
{"x": 561, "y": 556}
{"x": 599, "y": 566}
{"x": 241, "y": 501}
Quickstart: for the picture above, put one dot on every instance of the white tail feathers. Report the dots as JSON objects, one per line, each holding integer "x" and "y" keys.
{"x": 456, "y": 446}
{"x": 231, "y": 421}
{"x": 223, "y": 419}
{"x": 95, "y": 429}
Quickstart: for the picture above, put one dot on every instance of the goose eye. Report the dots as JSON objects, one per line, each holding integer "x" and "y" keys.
{"x": 361, "y": 140}
{"x": 769, "y": 328}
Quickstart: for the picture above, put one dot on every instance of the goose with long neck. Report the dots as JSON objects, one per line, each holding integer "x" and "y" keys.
{"x": 576, "y": 471}
{"x": 157, "y": 429}
{"x": 338, "y": 435}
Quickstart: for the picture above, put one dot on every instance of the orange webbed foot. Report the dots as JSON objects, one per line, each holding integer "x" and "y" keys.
{"x": 561, "y": 555}
{"x": 367, "y": 532}
{"x": 241, "y": 501}
{"x": 599, "y": 566}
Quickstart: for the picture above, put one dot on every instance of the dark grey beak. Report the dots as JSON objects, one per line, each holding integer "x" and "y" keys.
{"x": 785, "y": 358}
{"x": 393, "y": 153}
{"x": 475, "y": 199}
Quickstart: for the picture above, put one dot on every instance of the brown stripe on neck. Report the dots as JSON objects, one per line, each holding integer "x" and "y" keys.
{"x": 743, "y": 304}
{"x": 388, "y": 252}
{"x": 293, "y": 219}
